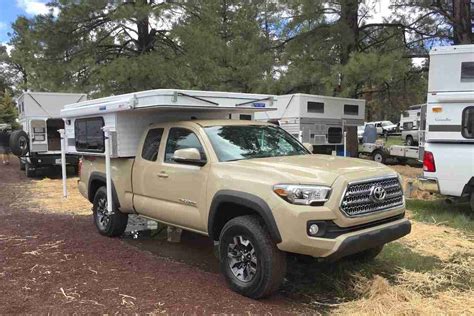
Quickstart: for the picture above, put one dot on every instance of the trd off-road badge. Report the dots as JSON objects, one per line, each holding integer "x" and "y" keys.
{"x": 377, "y": 194}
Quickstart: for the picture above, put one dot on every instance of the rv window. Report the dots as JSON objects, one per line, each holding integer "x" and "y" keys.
{"x": 181, "y": 138}
{"x": 152, "y": 144}
{"x": 467, "y": 71}
{"x": 334, "y": 135}
{"x": 406, "y": 114}
{"x": 468, "y": 122}
{"x": 89, "y": 135}
{"x": 246, "y": 117}
{"x": 351, "y": 109}
{"x": 315, "y": 107}
{"x": 407, "y": 126}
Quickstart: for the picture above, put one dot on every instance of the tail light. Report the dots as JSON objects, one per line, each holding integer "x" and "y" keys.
{"x": 429, "y": 162}
{"x": 79, "y": 167}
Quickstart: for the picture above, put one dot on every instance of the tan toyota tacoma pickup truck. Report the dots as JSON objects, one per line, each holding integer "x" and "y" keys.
{"x": 255, "y": 190}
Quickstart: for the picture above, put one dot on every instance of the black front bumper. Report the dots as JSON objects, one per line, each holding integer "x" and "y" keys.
{"x": 361, "y": 242}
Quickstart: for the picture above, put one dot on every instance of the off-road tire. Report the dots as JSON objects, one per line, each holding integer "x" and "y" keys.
{"x": 113, "y": 225}
{"x": 366, "y": 255}
{"x": 270, "y": 261}
{"x": 409, "y": 141}
{"x": 379, "y": 156}
{"x": 19, "y": 143}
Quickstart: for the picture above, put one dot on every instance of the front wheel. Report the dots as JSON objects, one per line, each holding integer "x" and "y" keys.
{"x": 250, "y": 261}
{"x": 111, "y": 225}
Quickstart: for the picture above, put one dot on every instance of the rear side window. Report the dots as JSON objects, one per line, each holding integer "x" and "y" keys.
{"x": 182, "y": 138}
{"x": 152, "y": 144}
{"x": 467, "y": 128}
{"x": 315, "y": 107}
{"x": 351, "y": 109}
{"x": 89, "y": 135}
{"x": 467, "y": 71}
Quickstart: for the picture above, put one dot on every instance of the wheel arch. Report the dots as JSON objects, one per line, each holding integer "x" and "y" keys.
{"x": 97, "y": 180}
{"x": 238, "y": 204}
{"x": 469, "y": 187}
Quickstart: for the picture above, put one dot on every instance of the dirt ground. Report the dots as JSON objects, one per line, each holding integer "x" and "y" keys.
{"x": 52, "y": 260}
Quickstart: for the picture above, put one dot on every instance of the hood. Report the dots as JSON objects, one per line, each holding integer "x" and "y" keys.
{"x": 317, "y": 169}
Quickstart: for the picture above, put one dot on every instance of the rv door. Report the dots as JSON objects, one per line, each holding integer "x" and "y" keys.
{"x": 38, "y": 136}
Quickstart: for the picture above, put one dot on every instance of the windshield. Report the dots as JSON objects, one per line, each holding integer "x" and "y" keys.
{"x": 387, "y": 123}
{"x": 252, "y": 141}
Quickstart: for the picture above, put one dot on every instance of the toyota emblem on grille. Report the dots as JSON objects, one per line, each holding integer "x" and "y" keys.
{"x": 377, "y": 193}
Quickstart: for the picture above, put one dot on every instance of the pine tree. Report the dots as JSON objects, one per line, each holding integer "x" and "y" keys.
{"x": 8, "y": 112}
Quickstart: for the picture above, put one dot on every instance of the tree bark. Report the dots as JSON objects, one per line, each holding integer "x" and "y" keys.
{"x": 462, "y": 26}
{"x": 350, "y": 28}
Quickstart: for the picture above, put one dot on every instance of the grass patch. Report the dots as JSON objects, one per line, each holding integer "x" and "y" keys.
{"x": 393, "y": 140}
{"x": 455, "y": 215}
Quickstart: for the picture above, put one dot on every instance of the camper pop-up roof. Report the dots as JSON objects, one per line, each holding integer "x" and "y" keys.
{"x": 129, "y": 114}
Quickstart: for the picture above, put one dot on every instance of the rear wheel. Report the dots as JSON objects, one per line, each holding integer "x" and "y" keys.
{"x": 111, "y": 225}
{"x": 378, "y": 156}
{"x": 250, "y": 261}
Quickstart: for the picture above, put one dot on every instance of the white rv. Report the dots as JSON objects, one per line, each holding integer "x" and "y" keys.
{"x": 448, "y": 159}
{"x": 38, "y": 144}
{"x": 319, "y": 120}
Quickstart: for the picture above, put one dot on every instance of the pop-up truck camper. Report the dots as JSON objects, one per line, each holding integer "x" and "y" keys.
{"x": 448, "y": 144}
{"x": 38, "y": 144}
{"x": 320, "y": 121}
{"x": 175, "y": 157}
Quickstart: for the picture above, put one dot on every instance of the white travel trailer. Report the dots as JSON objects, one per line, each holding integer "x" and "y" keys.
{"x": 38, "y": 144}
{"x": 319, "y": 120}
{"x": 448, "y": 160}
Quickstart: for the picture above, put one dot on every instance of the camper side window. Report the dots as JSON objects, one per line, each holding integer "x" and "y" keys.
{"x": 315, "y": 107}
{"x": 152, "y": 144}
{"x": 467, "y": 71}
{"x": 468, "y": 122}
{"x": 351, "y": 109}
{"x": 89, "y": 135}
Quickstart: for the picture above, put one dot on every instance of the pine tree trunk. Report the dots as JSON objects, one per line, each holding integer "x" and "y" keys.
{"x": 462, "y": 26}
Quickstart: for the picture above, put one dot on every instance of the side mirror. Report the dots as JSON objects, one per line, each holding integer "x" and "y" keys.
{"x": 308, "y": 146}
{"x": 190, "y": 156}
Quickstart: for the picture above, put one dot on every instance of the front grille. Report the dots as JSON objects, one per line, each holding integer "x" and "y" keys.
{"x": 359, "y": 199}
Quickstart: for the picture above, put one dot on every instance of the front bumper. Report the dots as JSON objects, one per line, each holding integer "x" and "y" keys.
{"x": 428, "y": 184}
{"x": 374, "y": 238}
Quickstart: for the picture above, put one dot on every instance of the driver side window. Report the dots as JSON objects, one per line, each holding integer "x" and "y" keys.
{"x": 182, "y": 138}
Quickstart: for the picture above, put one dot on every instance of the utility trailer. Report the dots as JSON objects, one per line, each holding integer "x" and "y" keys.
{"x": 380, "y": 153}
{"x": 321, "y": 121}
{"x": 38, "y": 144}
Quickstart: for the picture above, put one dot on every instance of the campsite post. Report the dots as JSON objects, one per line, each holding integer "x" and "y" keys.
{"x": 62, "y": 133}
{"x": 108, "y": 177}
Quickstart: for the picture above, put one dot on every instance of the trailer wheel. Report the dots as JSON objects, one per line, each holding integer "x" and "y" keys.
{"x": 378, "y": 156}
{"x": 19, "y": 143}
{"x": 409, "y": 141}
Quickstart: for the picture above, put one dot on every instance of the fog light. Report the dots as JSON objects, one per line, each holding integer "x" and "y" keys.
{"x": 313, "y": 229}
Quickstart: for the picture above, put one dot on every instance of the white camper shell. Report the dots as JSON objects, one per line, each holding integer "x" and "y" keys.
{"x": 127, "y": 116}
{"x": 40, "y": 118}
{"x": 318, "y": 120}
{"x": 449, "y": 131}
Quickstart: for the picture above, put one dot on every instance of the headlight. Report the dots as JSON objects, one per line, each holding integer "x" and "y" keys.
{"x": 302, "y": 194}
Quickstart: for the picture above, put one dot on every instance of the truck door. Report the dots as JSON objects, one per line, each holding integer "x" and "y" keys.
{"x": 38, "y": 136}
{"x": 168, "y": 191}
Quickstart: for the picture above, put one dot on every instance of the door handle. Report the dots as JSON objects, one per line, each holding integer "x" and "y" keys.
{"x": 162, "y": 175}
